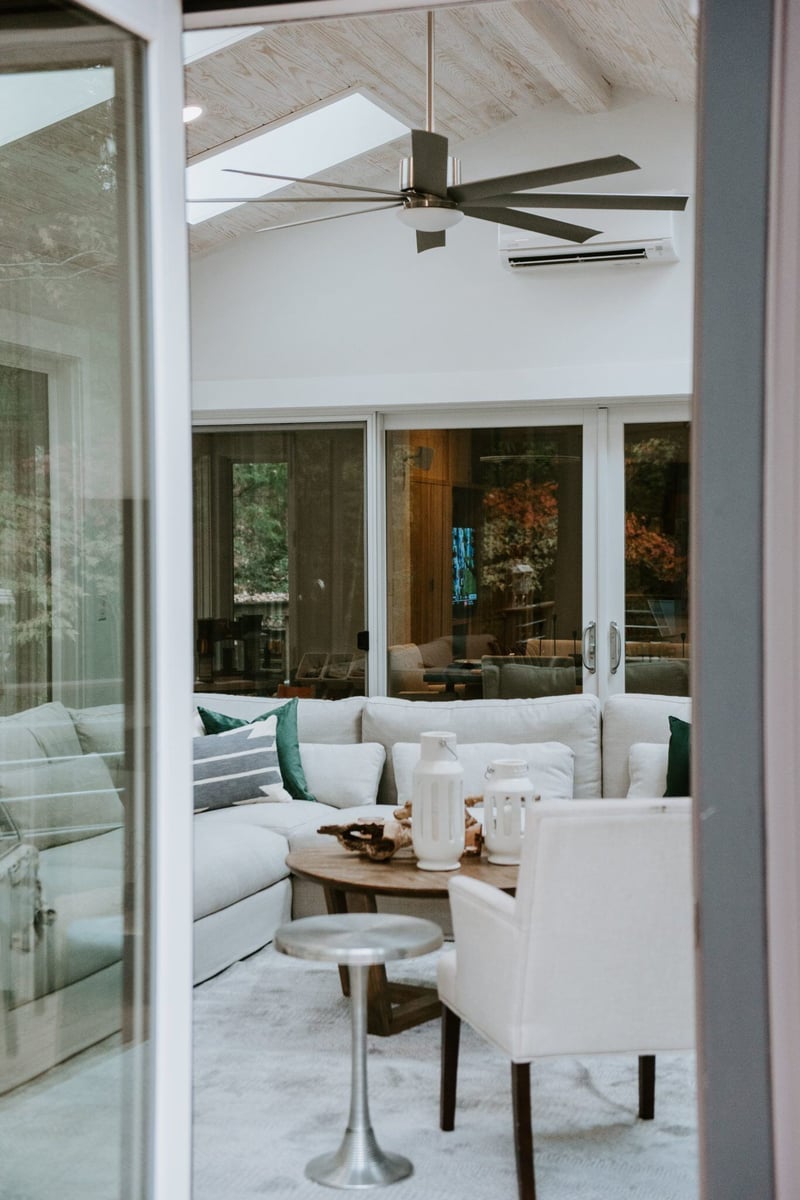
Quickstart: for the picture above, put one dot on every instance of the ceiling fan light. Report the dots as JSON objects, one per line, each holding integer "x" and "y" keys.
{"x": 430, "y": 220}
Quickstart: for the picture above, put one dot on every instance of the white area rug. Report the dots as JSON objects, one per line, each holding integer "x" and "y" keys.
{"x": 272, "y": 1086}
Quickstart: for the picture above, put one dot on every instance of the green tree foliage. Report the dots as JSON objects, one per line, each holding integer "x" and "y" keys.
{"x": 260, "y": 545}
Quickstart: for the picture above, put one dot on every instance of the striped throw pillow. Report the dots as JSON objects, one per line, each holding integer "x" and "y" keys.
{"x": 237, "y": 767}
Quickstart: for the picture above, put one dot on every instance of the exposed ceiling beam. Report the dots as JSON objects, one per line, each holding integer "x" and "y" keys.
{"x": 549, "y": 48}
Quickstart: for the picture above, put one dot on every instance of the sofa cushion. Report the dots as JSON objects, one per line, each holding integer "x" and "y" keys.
{"x": 233, "y": 860}
{"x": 298, "y": 817}
{"x": 550, "y": 766}
{"x": 285, "y": 715}
{"x": 61, "y": 800}
{"x": 46, "y": 731}
{"x": 101, "y": 730}
{"x": 647, "y": 768}
{"x": 343, "y": 776}
{"x": 634, "y": 718}
{"x": 511, "y": 680}
{"x": 573, "y": 720}
{"x": 239, "y": 766}
{"x": 317, "y": 720}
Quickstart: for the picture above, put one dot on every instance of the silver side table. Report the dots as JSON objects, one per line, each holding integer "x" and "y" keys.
{"x": 358, "y": 941}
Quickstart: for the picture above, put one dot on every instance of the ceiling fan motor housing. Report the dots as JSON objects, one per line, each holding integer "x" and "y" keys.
{"x": 407, "y": 174}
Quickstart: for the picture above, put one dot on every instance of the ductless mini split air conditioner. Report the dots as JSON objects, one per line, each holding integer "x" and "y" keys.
{"x": 628, "y": 236}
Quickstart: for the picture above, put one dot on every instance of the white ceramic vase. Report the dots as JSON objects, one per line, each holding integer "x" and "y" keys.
{"x": 437, "y": 804}
{"x": 507, "y": 793}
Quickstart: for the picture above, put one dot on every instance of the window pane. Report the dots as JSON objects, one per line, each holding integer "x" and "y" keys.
{"x": 279, "y": 561}
{"x": 73, "y": 795}
{"x": 657, "y": 558}
{"x": 484, "y": 562}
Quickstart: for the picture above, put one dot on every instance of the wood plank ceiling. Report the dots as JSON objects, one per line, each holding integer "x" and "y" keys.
{"x": 494, "y": 62}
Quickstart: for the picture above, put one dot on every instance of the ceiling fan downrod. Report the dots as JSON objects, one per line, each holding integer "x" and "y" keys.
{"x": 429, "y": 113}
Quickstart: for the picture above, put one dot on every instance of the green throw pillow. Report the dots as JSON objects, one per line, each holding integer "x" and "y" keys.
{"x": 678, "y": 773}
{"x": 294, "y": 778}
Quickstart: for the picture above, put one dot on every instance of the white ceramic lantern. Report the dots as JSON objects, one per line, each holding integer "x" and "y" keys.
{"x": 507, "y": 793}
{"x": 437, "y": 804}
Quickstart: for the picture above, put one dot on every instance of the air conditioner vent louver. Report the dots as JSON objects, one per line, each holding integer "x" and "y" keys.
{"x": 625, "y": 254}
{"x": 627, "y": 237}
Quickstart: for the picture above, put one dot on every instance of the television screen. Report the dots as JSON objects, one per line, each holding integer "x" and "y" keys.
{"x": 465, "y": 584}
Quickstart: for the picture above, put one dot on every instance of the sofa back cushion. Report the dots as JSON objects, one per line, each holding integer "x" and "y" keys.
{"x": 573, "y": 720}
{"x": 54, "y": 801}
{"x": 514, "y": 678}
{"x": 550, "y": 767}
{"x": 46, "y": 731}
{"x": 101, "y": 730}
{"x": 317, "y": 720}
{"x": 630, "y": 719}
{"x": 343, "y": 776}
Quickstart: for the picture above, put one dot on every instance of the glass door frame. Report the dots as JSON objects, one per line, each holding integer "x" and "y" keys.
{"x": 603, "y": 565}
{"x": 163, "y": 293}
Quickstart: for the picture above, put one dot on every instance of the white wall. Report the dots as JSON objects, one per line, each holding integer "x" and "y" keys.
{"x": 346, "y": 312}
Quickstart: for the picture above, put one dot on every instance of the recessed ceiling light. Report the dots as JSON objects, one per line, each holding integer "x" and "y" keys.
{"x": 305, "y": 145}
{"x": 191, "y": 112}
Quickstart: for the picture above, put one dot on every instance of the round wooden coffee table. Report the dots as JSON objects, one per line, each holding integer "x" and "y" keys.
{"x": 391, "y": 1007}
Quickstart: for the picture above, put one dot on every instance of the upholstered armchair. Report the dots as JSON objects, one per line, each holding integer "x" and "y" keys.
{"x": 593, "y": 956}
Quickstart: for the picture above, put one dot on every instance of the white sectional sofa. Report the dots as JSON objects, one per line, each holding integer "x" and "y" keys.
{"x": 62, "y": 885}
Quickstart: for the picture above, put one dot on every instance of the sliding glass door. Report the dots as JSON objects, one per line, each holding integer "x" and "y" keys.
{"x": 75, "y": 788}
{"x": 540, "y": 558}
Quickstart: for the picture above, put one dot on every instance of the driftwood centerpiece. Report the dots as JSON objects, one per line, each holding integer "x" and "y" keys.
{"x": 377, "y": 840}
{"x": 380, "y": 840}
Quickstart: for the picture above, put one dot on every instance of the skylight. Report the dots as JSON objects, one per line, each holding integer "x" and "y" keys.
{"x": 311, "y": 142}
{"x": 34, "y": 100}
{"x": 197, "y": 43}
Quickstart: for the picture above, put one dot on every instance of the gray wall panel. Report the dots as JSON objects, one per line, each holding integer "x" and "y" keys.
{"x": 727, "y": 602}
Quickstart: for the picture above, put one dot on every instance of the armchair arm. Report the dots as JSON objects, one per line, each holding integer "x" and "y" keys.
{"x": 467, "y": 895}
{"x": 486, "y": 938}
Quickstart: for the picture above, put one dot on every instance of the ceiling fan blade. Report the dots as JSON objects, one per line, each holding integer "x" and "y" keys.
{"x": 606, "y": 200}
{"x": 508, "y": 216}
{"x": 592, "y": 167}
{"x": 354, "y": 212}
{"x": 289, "y": 200}
{"x": 429, "y": 154}
{"x": 429, "y": 241}
{"x": 348, "y": 187}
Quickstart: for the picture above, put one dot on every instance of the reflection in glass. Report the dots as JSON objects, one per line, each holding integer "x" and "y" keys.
{"x": 73, "y": 799}
{"x": 279, "y": 561}
{"x": 484, "y": 562}
{"x": 656, "y": 558}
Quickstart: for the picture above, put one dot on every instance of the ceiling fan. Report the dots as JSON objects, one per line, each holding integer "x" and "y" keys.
{"x": 431, "y": 198}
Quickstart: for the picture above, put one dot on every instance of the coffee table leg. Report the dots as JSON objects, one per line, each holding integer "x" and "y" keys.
{"x": 359, "y": 1162}
{"x": 336, "y": 902}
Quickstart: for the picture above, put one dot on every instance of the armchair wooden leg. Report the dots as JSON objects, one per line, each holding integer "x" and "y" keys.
{"x": 647, "y": 1086}
{"x": 451, "y": 1032}
{"x": 523, "y": 1129}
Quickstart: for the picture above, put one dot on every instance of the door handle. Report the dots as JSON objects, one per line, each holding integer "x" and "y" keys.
{"x": 589, "y": 647}
{"x": 614, "y": 646}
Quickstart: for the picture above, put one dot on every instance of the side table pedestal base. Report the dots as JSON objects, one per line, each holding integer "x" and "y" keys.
{"x": 358, "y": 1163}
